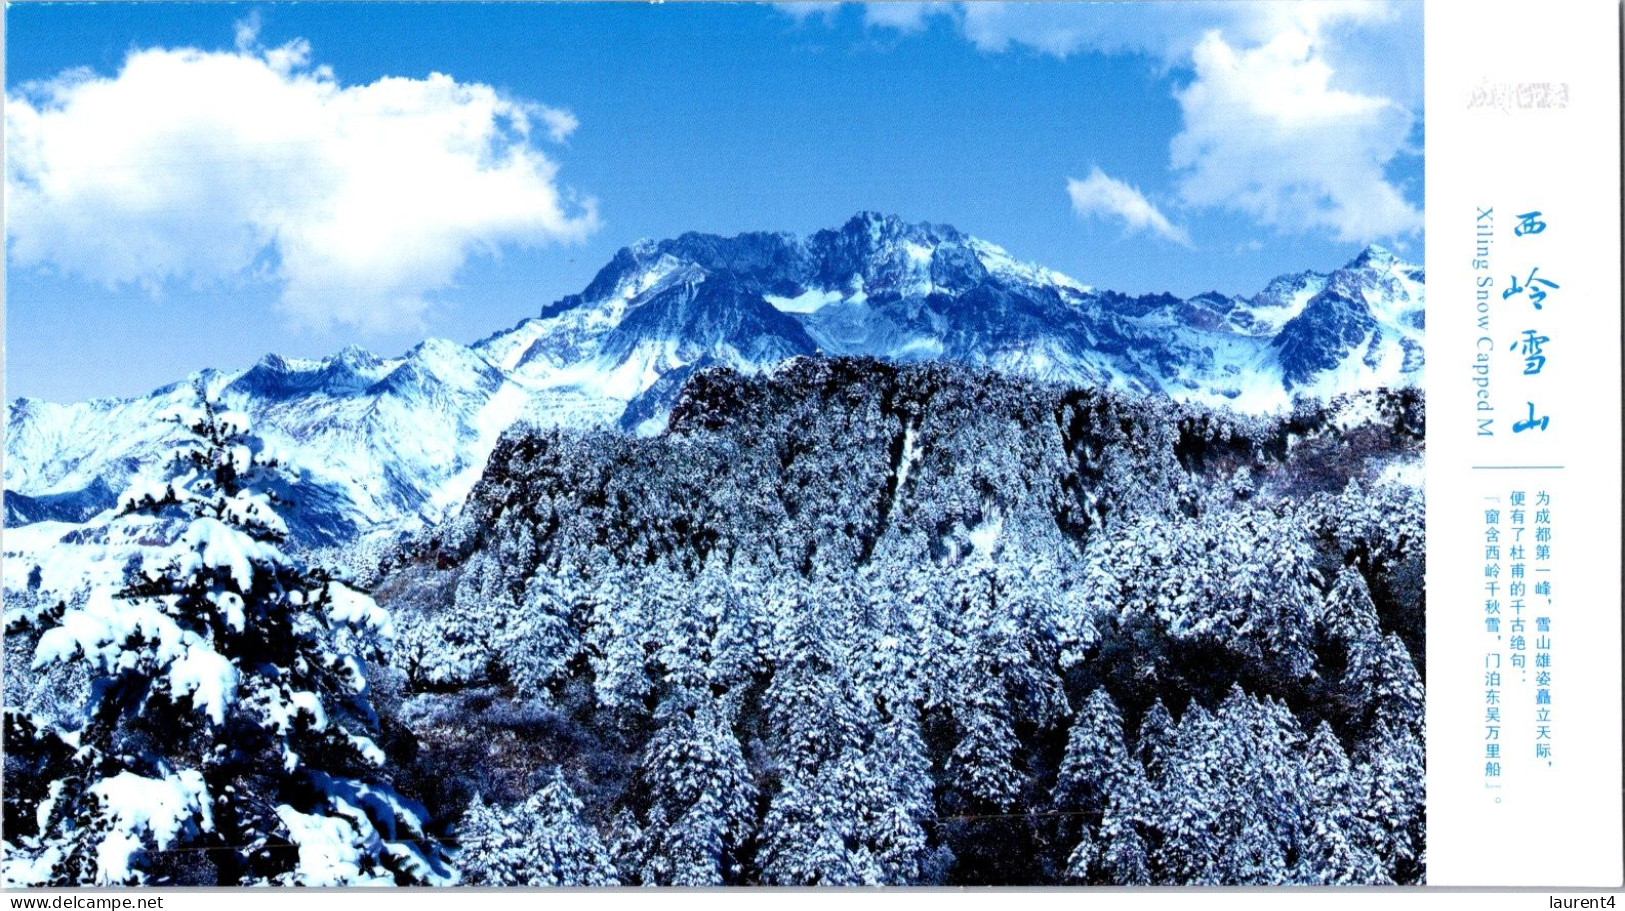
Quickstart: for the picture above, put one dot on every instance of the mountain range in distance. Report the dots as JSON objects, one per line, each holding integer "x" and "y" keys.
{"x": 387, "y": 444}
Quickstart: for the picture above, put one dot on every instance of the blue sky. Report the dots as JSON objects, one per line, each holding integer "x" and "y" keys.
{"x": 197, "y": 185}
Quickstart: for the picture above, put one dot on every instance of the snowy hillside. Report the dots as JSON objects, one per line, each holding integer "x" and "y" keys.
{"x": 987, "y": 631}
{"x": 384, "y": 444}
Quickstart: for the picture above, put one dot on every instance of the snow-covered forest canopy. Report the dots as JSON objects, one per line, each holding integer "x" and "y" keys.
{"x": 844, "y": 622}
{"x": 849, "y": 622}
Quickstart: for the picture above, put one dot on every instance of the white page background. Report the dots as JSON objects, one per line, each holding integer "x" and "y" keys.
{"x": 1557, "y": 825}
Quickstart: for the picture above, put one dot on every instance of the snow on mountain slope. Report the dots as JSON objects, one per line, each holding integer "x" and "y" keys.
{"x": 386, "y": 444}
{"x": 375, "y": 443}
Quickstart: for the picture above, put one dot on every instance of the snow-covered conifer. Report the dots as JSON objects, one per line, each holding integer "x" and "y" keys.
{"x": 230, "y": 739}
{"x": 700, "y": 799}
{"x": 1335, "y": 848}
{"x": 541, "y": 842}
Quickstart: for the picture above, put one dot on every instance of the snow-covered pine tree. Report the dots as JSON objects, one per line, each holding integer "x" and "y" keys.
{"x": 230, "y": 739}
{"x": 567, "y": 851}
{"x": 1155, "y": 739}
{"x": 1348, "y": 616}
{"x": 1334, "y": 851}
{"x": 539, "y": 642}
{"x": 1390, "y": 767}
{"x": 1228, "y": 811}
{"x": 990, "y": 657}
{"x": 700, "y": 797}
{"x": 617, "y": 628}
{"x": 1193, "y": 788}
{"x": 35, "y": 757}
{"x": 488, "y": 847}
{"x": 1123, "y": 859}
{"x": 811, "y": 834}
{"x": 898, "y": 830}
{"x": 855, "y": 818}
{"x": 541, "y": 842}
{"x": 1098, "y": 779}
{"x": 811, "y": 712}
{"x": 1265, "y": 774}
{"x": 1389, "y": 681}
{"x": 457, "y": 645}
{"x": 1096, "y": 766}
{"x": 808, "y": 836}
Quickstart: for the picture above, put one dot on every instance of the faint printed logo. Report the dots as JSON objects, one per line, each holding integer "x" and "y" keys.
{"x": 1507, "y": 97}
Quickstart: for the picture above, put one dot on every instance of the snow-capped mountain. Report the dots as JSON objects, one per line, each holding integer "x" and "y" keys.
{"x": 389, "y": 443}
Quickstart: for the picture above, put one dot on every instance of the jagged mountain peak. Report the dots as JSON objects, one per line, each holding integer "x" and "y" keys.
{"x": 355, "y": 357}
{"x": 882, "y": 229}
{"x": 1377, "y": 258}
{"x": 877, "y": 236}
{"x": 880, "y": 250}
{"x": 879, "y": 285}
{"x": 346, "y": 373}
{"x": 399, "y": 440}
{"x": 1217, "y": 298}
{"x": 438, "y": 361}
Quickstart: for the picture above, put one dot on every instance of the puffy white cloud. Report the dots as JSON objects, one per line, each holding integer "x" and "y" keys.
{"x": 1267, "y": 134}
{"x": 903, "y": 16}
{"x": 560, "y": 123}
{"x": 1063, "y": 29}
{"x": 232, "y": 166}
{"x": 1060, "y": 29}
{"x": 1160, "y": 29}
{"x": 1101, "y": 196}
{"x": 1295, "y": 111}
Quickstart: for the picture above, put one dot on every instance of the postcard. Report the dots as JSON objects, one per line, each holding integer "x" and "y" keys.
{"x": 812, "y": 444}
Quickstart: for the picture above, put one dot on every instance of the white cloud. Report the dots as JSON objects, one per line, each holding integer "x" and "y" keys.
{"x": 223, "y": 167}
{"x": 1295, "y": 111}
{"x": 802, "y": 10}
{"x": 1063, "y": 29}
{"x": 1266, "y": 133}
{"x": 1166, "y": 30}
{"x": 902, "y": 16}
{"x": 560, "y": 123}
{"x": 1101, "y": 196}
